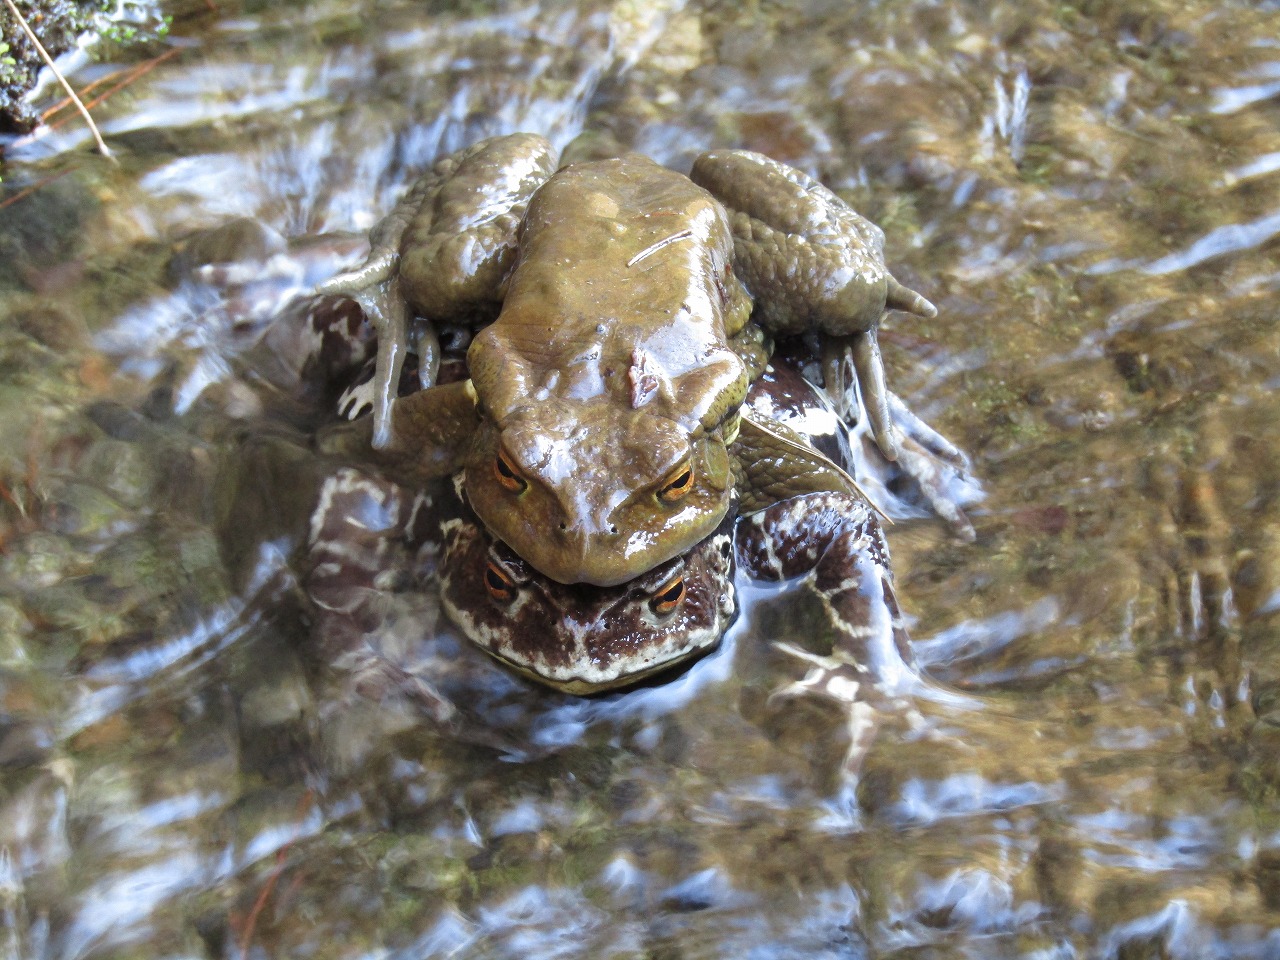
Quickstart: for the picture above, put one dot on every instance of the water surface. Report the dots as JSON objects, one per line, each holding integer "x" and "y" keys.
{"x": 1091, "y": 195}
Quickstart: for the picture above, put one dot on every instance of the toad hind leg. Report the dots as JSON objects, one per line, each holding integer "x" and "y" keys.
{"x": 812, "y": 264}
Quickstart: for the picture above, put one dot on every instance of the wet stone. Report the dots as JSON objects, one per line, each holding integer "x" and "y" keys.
{"x": 86, "y": 511}
{"x": 53, "y": 327}
{"x": 119, "y": 422}
{"x": 44, "y": 229}
{"x": 41, "y": 560}
{"x": 282, "y": 698}
{"x": 242, "y": 239}
{"x": 126, "y": 470}
{"x": 1267, "y": 867}
{"x": 24, "y": 744}
{"x": 1151, "y": 363}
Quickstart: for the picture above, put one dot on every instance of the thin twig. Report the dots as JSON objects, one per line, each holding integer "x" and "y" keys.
{"x": 246, "y": 937}
{"x": 131, "y": 76}
{"x": 129, "y": 73}
{"x": 84, "y": 92}
{"x": 138, "y": 71}
{"x": 27, "y": 191}
{"x": 44, "y": 55}
{"x": 12, "y": 499}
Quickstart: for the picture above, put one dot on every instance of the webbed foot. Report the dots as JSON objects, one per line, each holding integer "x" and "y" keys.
{"x": 375, "y": 287}
{"x": 928, "y": 470}
{"x": 938, "y": 469}
{"x": 832, "y": 543}
{"x": 931, "y": 475}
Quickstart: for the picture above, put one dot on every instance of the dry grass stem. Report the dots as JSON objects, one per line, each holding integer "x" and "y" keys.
{"x": 128, "y": 76}
{"x": 44, "y": 55}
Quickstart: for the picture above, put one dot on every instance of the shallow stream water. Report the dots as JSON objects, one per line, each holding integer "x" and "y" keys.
{"x": 1089, "y": 192}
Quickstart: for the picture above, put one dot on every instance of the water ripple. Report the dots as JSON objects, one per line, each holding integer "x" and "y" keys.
{"x": 974, "y": 639}
{"x": 967, "y": 794}
{"x": 1236, "y": 99}
{"x": 1231, "y": 238}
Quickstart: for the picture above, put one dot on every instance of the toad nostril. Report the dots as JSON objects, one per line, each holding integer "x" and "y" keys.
{"x": 563, "y": 525}
{"x": 613, "y": 529}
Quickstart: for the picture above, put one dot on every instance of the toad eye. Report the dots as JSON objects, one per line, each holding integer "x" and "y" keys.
{"x": 678, "y": 484}
{"x": 508, "y": 476}
{"x": 499, "y": 583}
{"x": 668, "y": 597}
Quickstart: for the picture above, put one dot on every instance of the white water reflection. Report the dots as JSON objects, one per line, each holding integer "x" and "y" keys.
{"x": 1135, "y": 840}
{"x": 972, "y": 640}
{"x": 210, "y": 91}
{"x": 1231, "y": 238}
{"x": 120, "y": 908}
{"x": 923, "y": 802}
{"x": 1011, "y": 112}
{"x": 540, "y": 922}
{"x": 1174, "y": 931}
{"x": 967, "y": 899}
{"x": 1237, "y": 98}
{"x": 1257, "y": 167}
{"x": 114, "y": 684}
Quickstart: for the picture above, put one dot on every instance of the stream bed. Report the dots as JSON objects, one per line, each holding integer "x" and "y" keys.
{"x": 1089, "y": 192}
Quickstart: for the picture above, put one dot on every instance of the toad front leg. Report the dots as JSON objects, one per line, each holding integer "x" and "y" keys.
{"x": 834, "y": 541}
{"x": 812, "y": 264}
{"x": 444, "y": 253}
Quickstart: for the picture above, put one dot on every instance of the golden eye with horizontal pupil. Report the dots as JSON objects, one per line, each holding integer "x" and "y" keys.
{"x": 678, "y": 484}
{"x": 507, "y": 475}
{"x": 499, "y": 584}
{"x": 668, "y": 596}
